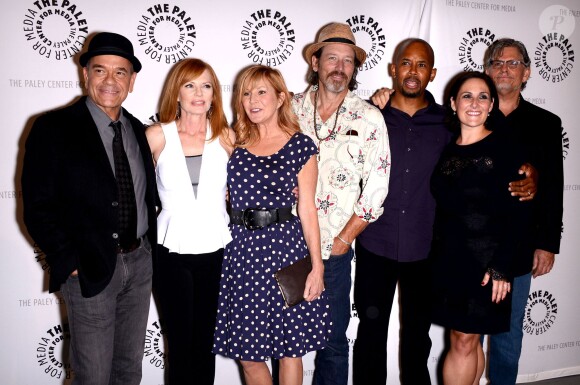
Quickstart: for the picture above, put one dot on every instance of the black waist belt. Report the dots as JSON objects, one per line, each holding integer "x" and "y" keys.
{"x": 258, "y": 218}
{"x": 129, "y": 246}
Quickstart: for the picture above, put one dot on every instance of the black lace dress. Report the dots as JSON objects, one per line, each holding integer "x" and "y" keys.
{"x": 475, "y": 229}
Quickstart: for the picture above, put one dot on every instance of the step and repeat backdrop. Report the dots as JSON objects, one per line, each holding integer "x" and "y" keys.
{"x": 39, "y": 71}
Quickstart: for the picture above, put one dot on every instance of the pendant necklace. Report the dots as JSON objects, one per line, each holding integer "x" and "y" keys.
{"x": 320, "y": 140}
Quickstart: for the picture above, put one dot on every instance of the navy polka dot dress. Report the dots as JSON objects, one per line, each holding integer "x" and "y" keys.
{"x": 253, "y": 323}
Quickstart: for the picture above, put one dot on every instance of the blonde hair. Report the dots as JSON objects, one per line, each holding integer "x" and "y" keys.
{"x": 181, "y": 73}
{"x": 246, "y": 131}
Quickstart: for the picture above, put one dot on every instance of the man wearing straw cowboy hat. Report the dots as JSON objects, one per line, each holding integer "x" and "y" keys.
{"x": 88, "y": 187}
{"x": 354, "y": 168}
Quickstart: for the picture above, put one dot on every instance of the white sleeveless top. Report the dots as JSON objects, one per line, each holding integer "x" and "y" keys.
{"x": 190, "y": 224}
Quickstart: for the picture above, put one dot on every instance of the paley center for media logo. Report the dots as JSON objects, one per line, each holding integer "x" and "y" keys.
{"x": 268, "y": 37}
{"x": 565, "y": 144}
{"x": 553, "y": 56}
{"x": 166, "y": 33}
{"x": 472, "y": 48}
{"x": 40, "y": 257}
{"x": 52, "y": 352}
{"x": 154, "y": 352}
{"x": 57, "y": 29}
{"x": 541, "y": 312}
{"x": 369, "y": 36}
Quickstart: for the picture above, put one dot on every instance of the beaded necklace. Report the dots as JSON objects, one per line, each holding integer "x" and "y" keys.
{"x": 320, "y": 140}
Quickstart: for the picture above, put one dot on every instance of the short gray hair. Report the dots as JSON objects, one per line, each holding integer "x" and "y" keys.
{"x": 496, "y": 48}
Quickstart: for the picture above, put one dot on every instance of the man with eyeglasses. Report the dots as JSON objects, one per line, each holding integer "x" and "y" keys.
{"x": 507, "y": 62}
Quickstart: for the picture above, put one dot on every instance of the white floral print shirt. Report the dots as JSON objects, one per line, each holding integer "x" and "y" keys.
{"x": 354, "y": 162}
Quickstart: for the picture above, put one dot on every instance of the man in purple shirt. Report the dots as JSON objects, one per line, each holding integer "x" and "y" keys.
{"x": 395, "y": 247}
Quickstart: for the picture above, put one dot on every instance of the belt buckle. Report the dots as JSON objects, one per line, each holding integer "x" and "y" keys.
{"x": 246, "y": 219}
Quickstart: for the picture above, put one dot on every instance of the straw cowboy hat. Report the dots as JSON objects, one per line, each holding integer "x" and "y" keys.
{"x": 335, "y": 33}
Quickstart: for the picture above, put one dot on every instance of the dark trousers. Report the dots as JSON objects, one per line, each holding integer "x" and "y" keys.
{"x": 187, "y": 288}
{"x": 376, "y": 278}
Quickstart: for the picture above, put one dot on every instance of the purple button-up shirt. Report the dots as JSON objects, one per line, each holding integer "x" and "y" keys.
{"x": 404, "y": 231}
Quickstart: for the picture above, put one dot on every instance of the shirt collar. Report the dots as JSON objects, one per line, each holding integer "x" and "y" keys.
{"x": 101, "y": 118}
{"x": 431, "y": 104}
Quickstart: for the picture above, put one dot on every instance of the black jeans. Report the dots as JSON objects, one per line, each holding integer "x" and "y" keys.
{"x": 376, "y": 278}
{"x": 187, "y": 288}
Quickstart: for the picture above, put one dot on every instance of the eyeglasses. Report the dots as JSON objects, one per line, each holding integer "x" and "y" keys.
{"x": 512, "y": 64}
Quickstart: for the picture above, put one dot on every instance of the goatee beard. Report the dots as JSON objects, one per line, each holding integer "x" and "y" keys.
{"x": 334, "y": 85}
{"x": 411, "y": 95}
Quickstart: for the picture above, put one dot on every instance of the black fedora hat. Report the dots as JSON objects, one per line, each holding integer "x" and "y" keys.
{"x": 108, "y": 43}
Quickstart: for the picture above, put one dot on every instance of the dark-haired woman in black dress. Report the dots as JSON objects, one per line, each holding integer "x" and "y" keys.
{"x": 474, "y": 236}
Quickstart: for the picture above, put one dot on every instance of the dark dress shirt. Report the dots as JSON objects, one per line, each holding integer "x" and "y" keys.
{"x": 405, "y": 229}
{"x": 131, "y": 146}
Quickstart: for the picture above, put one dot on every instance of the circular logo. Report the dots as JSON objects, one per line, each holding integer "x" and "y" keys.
{"x": 472, "y": 48}
{"x": 554, "y": 57}
{"x": 557, "y": 18}
{"x": 540, "y": 314}
{"x": 166, "y": 33}
{"x": 51, "y": 356}
{"x": 370, "y": 37}
{"x": 154, "y": 352}
{"x": 40, "y": 257}
{"x": 565, "y": 144}
{"x": 56, "y": 30}
{"x": 268, "y": 37}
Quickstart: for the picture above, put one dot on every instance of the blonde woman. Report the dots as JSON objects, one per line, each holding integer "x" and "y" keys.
{"x": 271, "y": 158}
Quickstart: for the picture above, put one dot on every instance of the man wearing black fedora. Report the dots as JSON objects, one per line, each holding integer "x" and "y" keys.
{"x": 88, "y": 187}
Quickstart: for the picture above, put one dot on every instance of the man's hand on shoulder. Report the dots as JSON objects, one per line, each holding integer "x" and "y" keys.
{"x": 381, "y": 97}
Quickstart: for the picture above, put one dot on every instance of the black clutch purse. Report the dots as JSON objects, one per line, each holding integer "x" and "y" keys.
{"x": 292, "y": 281}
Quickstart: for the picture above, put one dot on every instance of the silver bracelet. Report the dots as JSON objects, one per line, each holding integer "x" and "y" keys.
{"x": 343, "y": 241}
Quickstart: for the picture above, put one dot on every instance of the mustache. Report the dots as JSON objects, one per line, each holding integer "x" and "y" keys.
{"x": 338, "y": 73}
